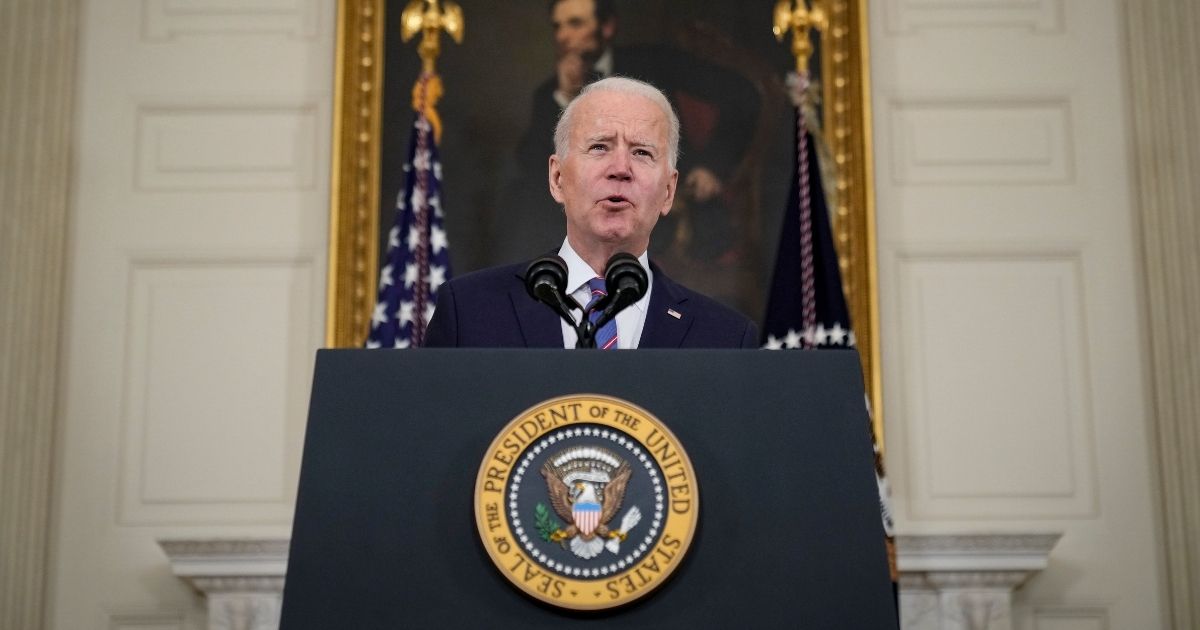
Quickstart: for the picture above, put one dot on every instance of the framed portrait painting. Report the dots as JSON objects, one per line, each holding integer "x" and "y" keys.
{"x": 504, "y": 86}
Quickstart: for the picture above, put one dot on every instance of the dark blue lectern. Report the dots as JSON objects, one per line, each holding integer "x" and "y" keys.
{"x": 789, "y": 531}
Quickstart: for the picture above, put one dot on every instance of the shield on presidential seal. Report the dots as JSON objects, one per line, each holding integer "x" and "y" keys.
{"x": 587, "y": 516}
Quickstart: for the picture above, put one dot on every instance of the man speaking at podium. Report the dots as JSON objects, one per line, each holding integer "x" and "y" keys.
{"x": 613, "y": 171}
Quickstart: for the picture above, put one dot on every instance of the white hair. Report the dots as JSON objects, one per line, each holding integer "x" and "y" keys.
{"x": 624, "y": 85}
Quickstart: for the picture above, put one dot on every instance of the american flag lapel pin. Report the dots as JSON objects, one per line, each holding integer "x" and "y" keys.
{"x": 674, "y": 313}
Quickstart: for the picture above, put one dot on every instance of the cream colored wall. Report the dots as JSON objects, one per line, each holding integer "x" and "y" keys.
{"x": 195, "y": 291}
{"x": 1013, "y": 354}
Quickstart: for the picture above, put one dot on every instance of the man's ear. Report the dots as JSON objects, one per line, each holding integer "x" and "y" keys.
{"x": 670, "y": 201}
{"x": 555, "y": 179}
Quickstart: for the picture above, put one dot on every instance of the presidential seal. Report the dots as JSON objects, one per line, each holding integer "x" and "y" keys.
{"x": 586, "y": 502}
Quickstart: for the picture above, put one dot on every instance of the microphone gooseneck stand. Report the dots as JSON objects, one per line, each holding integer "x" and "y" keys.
{"x": 624, "y": 278}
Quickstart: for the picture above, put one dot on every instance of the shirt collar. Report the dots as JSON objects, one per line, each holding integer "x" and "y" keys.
{"x": 579, "y": 272}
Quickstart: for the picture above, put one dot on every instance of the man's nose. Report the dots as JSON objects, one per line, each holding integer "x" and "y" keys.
{"x": 620, "y": 166}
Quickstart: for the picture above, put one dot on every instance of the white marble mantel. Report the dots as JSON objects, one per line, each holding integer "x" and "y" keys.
{"x": 242, "y": 579}
{"x": 947, "y": 582}
{"x": 965, "y": 582}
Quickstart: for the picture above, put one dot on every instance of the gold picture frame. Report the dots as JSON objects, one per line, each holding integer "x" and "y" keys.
{"x": 355, "y": 179}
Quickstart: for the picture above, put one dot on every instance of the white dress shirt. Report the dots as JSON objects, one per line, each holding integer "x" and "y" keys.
{"x": 630, "y": 321}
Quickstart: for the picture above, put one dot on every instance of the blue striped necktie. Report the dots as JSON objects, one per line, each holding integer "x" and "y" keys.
{"x": 606, "y": 335}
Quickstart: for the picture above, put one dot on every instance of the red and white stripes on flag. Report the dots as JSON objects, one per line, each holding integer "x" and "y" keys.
{"x": 587, "y": 517}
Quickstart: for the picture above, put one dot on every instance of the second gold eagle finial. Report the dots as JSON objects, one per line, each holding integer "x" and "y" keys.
{"x": 798, "y": 18}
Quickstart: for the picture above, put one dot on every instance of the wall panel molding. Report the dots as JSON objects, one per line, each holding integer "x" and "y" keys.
{"x": 983, "y": 142}
{"x": 157, "y": 620}
{"x": 168, "y": 19}
{"x": 1064, "y": 617}
{"x": 223, "y": 453}
{"x": 972, "y": 321}
{"x": 37, "y": 91}
{"x": 1039, "y": 16}
{"x": 226, "y": 147}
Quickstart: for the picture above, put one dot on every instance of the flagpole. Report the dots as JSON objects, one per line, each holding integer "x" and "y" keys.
{"x": 429, "y": 19}
{"x": 417, "y": 261}
{"x": 799, "y": 18}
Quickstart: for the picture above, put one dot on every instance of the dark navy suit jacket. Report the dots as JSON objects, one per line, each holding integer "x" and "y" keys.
{"x": 491, "y": 309}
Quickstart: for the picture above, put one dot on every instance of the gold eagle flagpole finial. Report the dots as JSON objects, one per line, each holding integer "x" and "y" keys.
{"x": 798, "y": 17}
{"x": 429, "y": 19}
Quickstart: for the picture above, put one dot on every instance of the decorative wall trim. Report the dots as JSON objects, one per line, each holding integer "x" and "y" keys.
{"x": 156, "y": 620}
{"x": 987, "y": 142}
{"x": 229, "y": 564}
{"x": 182, "y": 552}
{"x": 1165, "y": 94}
{"x": 1042, "y": 279}
{"x": 975, "y": 552}
{"x": 233, "y": 146}
{"x": 38, "y": 41}
{"x": 1039, "y": 16}
{"x": 1094, "y": 617}
{"x": 168, "y": 19}
{"x": 162, "y": 481}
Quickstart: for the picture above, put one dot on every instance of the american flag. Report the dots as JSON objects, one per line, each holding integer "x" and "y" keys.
{"x": 418, "y": 255}
{"x": 807, "y": 307}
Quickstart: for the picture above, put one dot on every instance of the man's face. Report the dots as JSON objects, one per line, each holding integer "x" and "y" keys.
{"x": 576, "y": 30}
{"x": 615, "y": 181}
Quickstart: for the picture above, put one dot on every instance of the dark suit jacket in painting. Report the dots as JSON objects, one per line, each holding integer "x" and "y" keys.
{"x": 491, "y": 309}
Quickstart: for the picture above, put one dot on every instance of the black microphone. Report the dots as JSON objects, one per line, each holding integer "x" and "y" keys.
{"x": 546, "y": 282}
{"x": 626, "y": 281}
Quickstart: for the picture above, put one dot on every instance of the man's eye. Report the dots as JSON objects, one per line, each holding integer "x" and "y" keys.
{"x": 597, "y": 147}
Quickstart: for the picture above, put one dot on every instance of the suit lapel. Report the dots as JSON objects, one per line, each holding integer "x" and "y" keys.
{"x": 667, "y": 318}
{"x": 538, "y": 322}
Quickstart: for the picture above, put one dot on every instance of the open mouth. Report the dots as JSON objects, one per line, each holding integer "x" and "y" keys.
{"x": 616, "y": 200}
